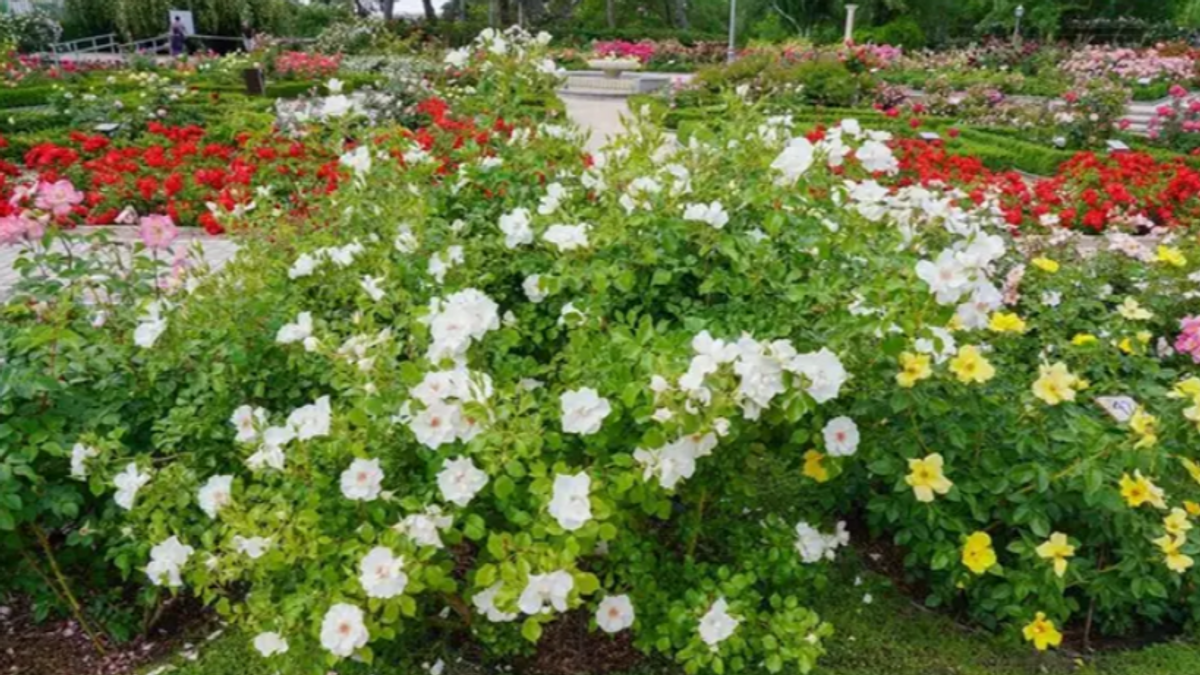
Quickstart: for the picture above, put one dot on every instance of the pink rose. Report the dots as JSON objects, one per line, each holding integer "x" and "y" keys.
{"x": 14, "y": 229}
{"x": 58, "y": 197}
{"x": 1188, "y": 341}
{"x": 157, "y": 231}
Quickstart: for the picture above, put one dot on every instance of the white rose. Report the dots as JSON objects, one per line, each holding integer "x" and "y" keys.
{"x": 363, "y": 480}
{"x": 460, "y": 480}
{"x": 343, "y": 631}
{"x": 615, "y": 613}
{"x": 382, "y": 574}
{"x": 570, "y": 505}
{"x": 583, "y": 411}
{"x": 270, "y": 644}
{"x": 841, "y": 437}
{"x": 214, "y": 494}
{"x": 717, "y": 624}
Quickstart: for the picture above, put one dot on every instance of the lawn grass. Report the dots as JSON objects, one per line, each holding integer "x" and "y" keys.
{"x": 888, "y": 636}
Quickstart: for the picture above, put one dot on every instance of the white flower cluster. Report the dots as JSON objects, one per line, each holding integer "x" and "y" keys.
{"x": 424, "y": 528}
{"x": 567, "y": 237}
{"x": 454, "y": 322}
{"x": 799, "y": 154}
{"x": 166, "y": 562}
{"x": 300, "y": 330}
{"x": 214, "y": 494}
{"x": 813, "y": 546}
{"x": 381, "y": 574}
{"x": 304, "y": 423}
{"x": 308, "y": 263}
{"x": 362, "y": 481}
{"x": 713, "y": 214}
{"x": 514, "y": 40}
{"x": 516, "y": 229}
{"x": 961, "y": 275}
{"x": 442, "y": 262}
{"x": 760, "y": 367}
{"x": 460, "y": 480}
{"x": 443, "y": 417}
{"x": 675, "y": 461}
{"x": 546, "y": 591}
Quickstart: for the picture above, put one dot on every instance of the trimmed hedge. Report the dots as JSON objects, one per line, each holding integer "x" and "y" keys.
{"x": 25, "y": 97}
{"x": 1151, "y": 92}
{"x": 30, "y": 121}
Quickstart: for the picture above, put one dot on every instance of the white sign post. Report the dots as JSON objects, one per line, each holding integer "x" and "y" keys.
{"x": 185, "y": 18}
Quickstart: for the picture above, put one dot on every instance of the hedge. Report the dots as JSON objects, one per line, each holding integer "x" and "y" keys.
{"x": 25, "y": 97}
{"x": 29, "y": 121}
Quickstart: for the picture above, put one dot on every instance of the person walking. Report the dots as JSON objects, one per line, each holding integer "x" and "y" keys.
{"x": 249, "y": 41}
{"x": 178, "y": 36}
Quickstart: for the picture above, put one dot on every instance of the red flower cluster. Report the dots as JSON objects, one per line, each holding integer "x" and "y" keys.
{"x": 307, "y": 65}
{"x": 178, "y": 173}
{"x": 642, "y": 51}
{"x": 1089, "y": 192}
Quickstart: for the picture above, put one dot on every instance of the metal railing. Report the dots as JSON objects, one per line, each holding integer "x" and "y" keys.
{"x": 152, "y": 45}
{"x": 159, "y": 44}
{"x": 96, "y": 43}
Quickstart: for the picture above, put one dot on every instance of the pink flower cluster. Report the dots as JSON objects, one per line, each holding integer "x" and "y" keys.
{"x": 1180, "y": 115}
{"x": 15, "y": 229}
{"x": 306, "y": 65}
{"x": 1188, "y": 341}
{"x": 1128, "y": 64}
{"x": 59, "y": 197}
{"x": 886, "y": 54}
{"x": 642, "y": 51}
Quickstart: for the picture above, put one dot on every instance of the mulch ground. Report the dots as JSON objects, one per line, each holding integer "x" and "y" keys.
{"x": 60, "y": 647}
{"x": 568, "y": 648}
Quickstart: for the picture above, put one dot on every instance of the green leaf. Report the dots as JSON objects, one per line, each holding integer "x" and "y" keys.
{"x": 531, "y": 630}
{"x": 504, "y": 487}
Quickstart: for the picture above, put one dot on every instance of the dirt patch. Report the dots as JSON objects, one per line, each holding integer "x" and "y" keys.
{"x": 567, "y": 647}
{"x": 60, "y": 647}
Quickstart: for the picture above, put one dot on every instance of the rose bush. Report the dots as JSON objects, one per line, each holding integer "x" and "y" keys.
{"x": 648, "y": 385}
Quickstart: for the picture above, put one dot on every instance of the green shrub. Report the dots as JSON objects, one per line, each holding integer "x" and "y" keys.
{"x": 825, "y": 81}
{"x": 1151, "y": 92}
{"x": 727, "y": 76}
{"x": 903, "y": 32}
{"x": 770, "y": 29}
{"x": 32, "y": 32}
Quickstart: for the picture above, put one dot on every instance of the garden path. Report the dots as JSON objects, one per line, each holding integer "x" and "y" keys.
{"x": 599, "y": 115}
